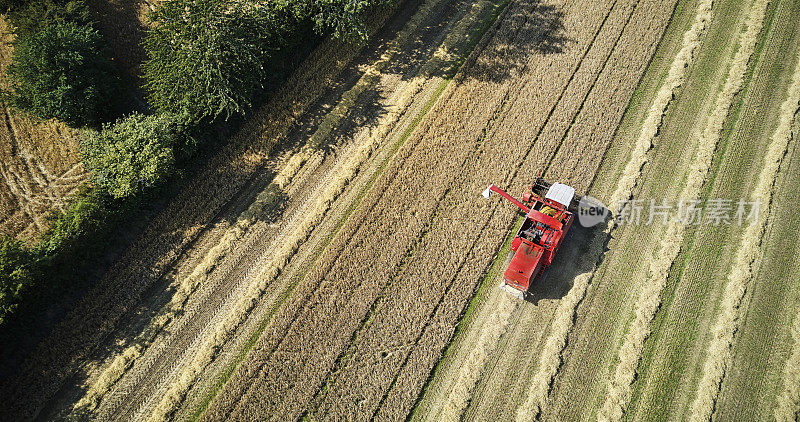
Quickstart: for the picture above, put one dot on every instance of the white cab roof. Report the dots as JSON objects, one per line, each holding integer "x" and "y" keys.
{"x": 561, "y": 193}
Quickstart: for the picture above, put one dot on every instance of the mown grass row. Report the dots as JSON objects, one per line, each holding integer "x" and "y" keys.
{"x": 619, "y": 392}
{"x": 719, "y": 354}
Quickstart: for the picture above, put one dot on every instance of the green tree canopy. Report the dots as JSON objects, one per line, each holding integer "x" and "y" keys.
{"x": 342, "y": 18}
{"x": 207, "y": 57}
{"x": 15, "y": 274}
{"x": 30, "y": 16}
{"x": 62, "y": 71}
{"x": 135, "y": 152}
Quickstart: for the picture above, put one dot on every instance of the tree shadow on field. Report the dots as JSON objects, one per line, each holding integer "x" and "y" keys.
{"x": 572, "y": 259}
{"x": 529, "y": 28}
{"x": 120, "y": 22}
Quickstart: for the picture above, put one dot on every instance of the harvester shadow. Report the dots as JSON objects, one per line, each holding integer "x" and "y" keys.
{"x": 574, "y": 258}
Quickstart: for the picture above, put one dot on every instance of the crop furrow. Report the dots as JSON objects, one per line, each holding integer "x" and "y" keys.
{"x": 788, "y": 403}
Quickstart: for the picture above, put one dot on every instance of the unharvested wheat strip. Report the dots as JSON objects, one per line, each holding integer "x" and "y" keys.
{"x": 331, "y": 121}
{"x": 788, "y": 403}
{"x": 282, "y": 255}
{"x": 718, "y": 355}
{"x": 471, "y": 368}
{"x": 550, "y": 357}
{"x": 619, "y": 390}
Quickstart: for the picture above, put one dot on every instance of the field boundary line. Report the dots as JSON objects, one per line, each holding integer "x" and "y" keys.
{"x": 788, "y": 403}
{"x": 619, "y": 390}
{"x": 719, "y": 353}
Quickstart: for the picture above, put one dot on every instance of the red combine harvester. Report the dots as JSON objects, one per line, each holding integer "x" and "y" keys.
{"x": 548, "y": 218}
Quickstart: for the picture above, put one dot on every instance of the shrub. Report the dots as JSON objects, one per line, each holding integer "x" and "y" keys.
{"x": 16, "y": 274}
{"x": 211, "y": 57}
{"x": 76, "y": 228}
{"x": 63, "y": 72}
{"x": 136, "y": 152}
{"x": 208, "y": 57}
{"x": 342, "y": 18}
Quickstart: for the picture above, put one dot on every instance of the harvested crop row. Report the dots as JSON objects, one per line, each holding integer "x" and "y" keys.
{"x": 320, "y": 303}
{"x": 207, "y": 352}
{"x": 619, "y": 390}
{"x": 429, "y": 294}
{"x": 153, "y": 255}
{"x": 343, "y": 174}
{"x": 788, "y": 403}
{"x": 718, "y": 354}
{"x": 461, "y": 392}
{"x": 550, "y": 357}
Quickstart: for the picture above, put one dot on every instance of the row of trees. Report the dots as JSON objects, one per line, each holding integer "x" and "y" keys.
{"x": 207, "y": 60}
{"x": 209, "y": 57}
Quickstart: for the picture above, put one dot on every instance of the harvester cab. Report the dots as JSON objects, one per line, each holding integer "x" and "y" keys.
{"x": 549, "y": 212}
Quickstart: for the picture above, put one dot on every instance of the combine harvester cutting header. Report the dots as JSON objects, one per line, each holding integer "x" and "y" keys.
{"x": 547, "y": 222}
